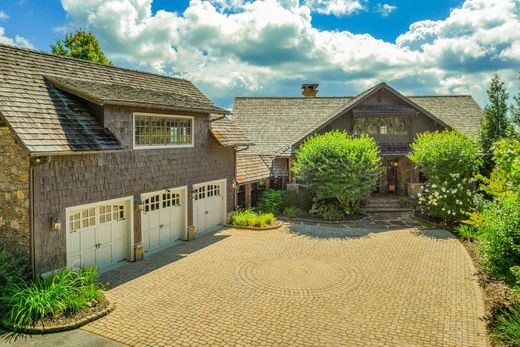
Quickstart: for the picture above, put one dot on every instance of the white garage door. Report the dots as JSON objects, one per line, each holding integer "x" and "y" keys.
{"x": 209, "y": 205}
{"x": 98, "y": 234}
{"x": 163, "y": 218}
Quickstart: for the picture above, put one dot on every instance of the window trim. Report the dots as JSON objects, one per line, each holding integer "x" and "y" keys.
{"x": 160, "y": 115}
{"x": 379, "y": 133}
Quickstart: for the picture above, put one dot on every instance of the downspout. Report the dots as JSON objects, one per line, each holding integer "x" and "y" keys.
{"x": 31, "y": 221}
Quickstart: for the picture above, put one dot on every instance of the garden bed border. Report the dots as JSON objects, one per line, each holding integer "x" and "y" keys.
{"x": 320, "y": 221}
{"x": 276, "y": 225}
{"x": 42, "y": 329}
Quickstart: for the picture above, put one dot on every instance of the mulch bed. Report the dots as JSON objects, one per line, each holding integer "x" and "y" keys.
{"x": 64, "y": 322}
{"x": 275, "y": 225}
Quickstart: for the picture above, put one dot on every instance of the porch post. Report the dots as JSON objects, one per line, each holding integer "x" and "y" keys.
{"x": 248, "y": 195}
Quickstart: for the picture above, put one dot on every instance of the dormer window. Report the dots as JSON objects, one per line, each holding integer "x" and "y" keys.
{"x": 162, "y": 131}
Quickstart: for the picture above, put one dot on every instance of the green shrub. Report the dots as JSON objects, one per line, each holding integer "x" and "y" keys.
{"x": 404, "y": 202}
{"x": 328, "y": 210}
{"x": 507, "y": 326}
{"x": 13, "y": 268}
{"x": 467, "y": 232}
{"x": 64, "y": 292}
{"x": 250, "y": 218}
{"x": 272, "y": 201}
{"x": 292, "y": 212}
{"x": 299, "y": 199}
{"x": 449, "y": 159}
{"x": 500, "y": 236}
{"x": 339, "y": 168}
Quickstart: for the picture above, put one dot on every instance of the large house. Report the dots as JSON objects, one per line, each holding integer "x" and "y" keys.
{"x": 97, "y": 162}
{"x": 279, "y": 125}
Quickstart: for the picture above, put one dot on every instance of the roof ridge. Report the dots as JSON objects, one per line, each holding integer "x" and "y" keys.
{"x": 35, "y": 51}
{"x": 293, "y": 97}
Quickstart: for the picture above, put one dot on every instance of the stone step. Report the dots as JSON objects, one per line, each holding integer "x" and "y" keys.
{"x": 387, "y": 209}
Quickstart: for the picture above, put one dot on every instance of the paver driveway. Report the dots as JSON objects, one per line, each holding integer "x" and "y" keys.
{"x": 303, "y": 285}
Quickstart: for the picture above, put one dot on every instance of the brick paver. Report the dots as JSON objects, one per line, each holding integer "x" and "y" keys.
{"x": 303, "y": 285}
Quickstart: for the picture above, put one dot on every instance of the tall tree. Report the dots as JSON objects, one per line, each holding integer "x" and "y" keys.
{"x": 515, "y": 110}
{"x": 495, "y": 125}
{"x": 81, "y": 45}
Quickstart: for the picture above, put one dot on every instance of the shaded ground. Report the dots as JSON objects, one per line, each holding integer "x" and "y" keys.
{"x": 378, "y": 283}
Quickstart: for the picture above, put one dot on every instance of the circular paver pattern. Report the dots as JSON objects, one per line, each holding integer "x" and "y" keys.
{"x": 298, "y": 274}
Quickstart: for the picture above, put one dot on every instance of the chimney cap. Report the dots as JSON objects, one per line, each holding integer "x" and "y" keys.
{"x": 310, "y": 89}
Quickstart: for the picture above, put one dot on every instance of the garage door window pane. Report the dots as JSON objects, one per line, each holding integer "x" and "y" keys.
{"x": 162, "y": 131}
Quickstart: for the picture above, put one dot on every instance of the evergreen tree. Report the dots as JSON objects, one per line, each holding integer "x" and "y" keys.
{"x": 81, "y": 45}
{"x": 495, "y": 125}
{"x": 515, "y": 110}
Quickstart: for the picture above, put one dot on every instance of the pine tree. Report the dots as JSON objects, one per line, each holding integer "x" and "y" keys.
{"x": 515, "y": 110}
{"x": 81, "y": 45}
{"x": 495, "y": 125}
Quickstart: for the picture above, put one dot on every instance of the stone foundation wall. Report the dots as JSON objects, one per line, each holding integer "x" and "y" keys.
{"x": 14, "y": 193}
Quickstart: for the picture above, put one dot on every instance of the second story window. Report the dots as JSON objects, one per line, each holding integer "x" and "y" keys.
{"x": 162, "y": 131}
{"x": 380, "y": 126}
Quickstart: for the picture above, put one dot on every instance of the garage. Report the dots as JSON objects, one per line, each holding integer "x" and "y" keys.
{"x": 209, "y": 205}
{"x": 163, "y": 218}
{"x": 99, "y": 234}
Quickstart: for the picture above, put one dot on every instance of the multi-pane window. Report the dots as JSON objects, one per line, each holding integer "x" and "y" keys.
{"x": 213, "y": 190}
{"x": 171, "y": 199}
{"x": 82, "y": 219}
{"x": 152, "y": 203}
{"x": 200, "y": 193}
{"x": 109, "y": 213}
{"x": 380, "y": 125}
{"x": 162, "y": 131}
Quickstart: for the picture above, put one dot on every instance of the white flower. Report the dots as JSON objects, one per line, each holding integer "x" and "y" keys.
{"x": 419, "y": 195}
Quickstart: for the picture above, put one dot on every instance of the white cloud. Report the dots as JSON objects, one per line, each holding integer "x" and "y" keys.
{"x": 335, "y": 7}
{"x": 385, "y": 9}
{"x": 17, "y": 41}
{"x": 3, "y": 16}
{"x": 235, "y": 47}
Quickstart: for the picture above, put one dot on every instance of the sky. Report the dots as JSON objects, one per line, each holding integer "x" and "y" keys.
{"x": 234, "y": 48}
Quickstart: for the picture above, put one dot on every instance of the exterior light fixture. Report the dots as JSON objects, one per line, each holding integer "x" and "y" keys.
{"x": 140, "y": 205}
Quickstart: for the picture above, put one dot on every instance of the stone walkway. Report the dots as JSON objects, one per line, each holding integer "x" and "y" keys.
{"x": 302, "y": 285}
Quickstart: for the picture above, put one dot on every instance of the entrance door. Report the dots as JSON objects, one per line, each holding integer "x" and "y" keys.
{"x": 391, "y": 176}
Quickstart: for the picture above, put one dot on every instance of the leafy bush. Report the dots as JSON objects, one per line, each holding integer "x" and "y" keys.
{"x": 404, "y": 201}
{"x": 500, "y": 235}
{"x": 449, "y": 159}
{"x": 299, "y": 199}
{"x": 507, "y": 326}
{"x": 13, "y": 268}
{"x": 272, "y": 201}
{"x": 467, "y": 232}
{"x": 250, "y": 218}
{"x": 291, "y": 212}
{"x": 64, "y": 292}
{"x": 328, "y": 210}
{"x": 339, "y": 168}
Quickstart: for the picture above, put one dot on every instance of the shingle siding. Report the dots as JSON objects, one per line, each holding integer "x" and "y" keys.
{"x": 74, "y": 180}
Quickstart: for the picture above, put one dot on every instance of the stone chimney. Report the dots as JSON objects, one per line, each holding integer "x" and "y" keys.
{"x": 309, "y": 90}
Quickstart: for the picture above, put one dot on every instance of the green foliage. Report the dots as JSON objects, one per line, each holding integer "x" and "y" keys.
{"x": 13, "y": 268}
{"x": 500, "y": 235}
{"x": 272, "y": 201}
{"x": 64, "y": 292}
{"x": 251, "y": 218}
{"x": 507, "y": 326}
{"x": 515, "y": 110}
{"x": 300, "y": 199}
{"x": 328, "y": 210}
{"x": 506, "y": 155}
{"x": 440, "y": 154}
{"x": 467, "y": 232}
{"x": 81, "y": 45}
{"x": 404, "y": 202}
{"x": 449, "y": 160}
{"x": 291, "y": 212}
{"x": 495, "y": 125}
{"x": 339, "y": 168}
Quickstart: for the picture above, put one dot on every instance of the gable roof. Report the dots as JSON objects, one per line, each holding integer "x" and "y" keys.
{"x": 227, "y": 133}
{"x": 277, "y": 124}
{"x": 38, "y": 99}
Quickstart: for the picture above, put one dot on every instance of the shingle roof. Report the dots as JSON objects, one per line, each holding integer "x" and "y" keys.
{"x": 49, "y": 120}
{"x": 274, "y": 124}
{"x": 135, "y": 95}
{"x": 227, "y": 133}
{"x": 254, "y": 167}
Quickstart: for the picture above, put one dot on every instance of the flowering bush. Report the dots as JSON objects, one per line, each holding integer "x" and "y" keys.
{"x": 450, "y": 199}
{"x": 449, "y": 160}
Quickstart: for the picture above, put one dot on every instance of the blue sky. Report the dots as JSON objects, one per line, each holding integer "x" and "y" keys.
{"x": 269, "y": 47}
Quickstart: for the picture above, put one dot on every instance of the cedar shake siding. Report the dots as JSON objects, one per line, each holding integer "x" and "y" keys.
{"x": 73, "y": 180}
